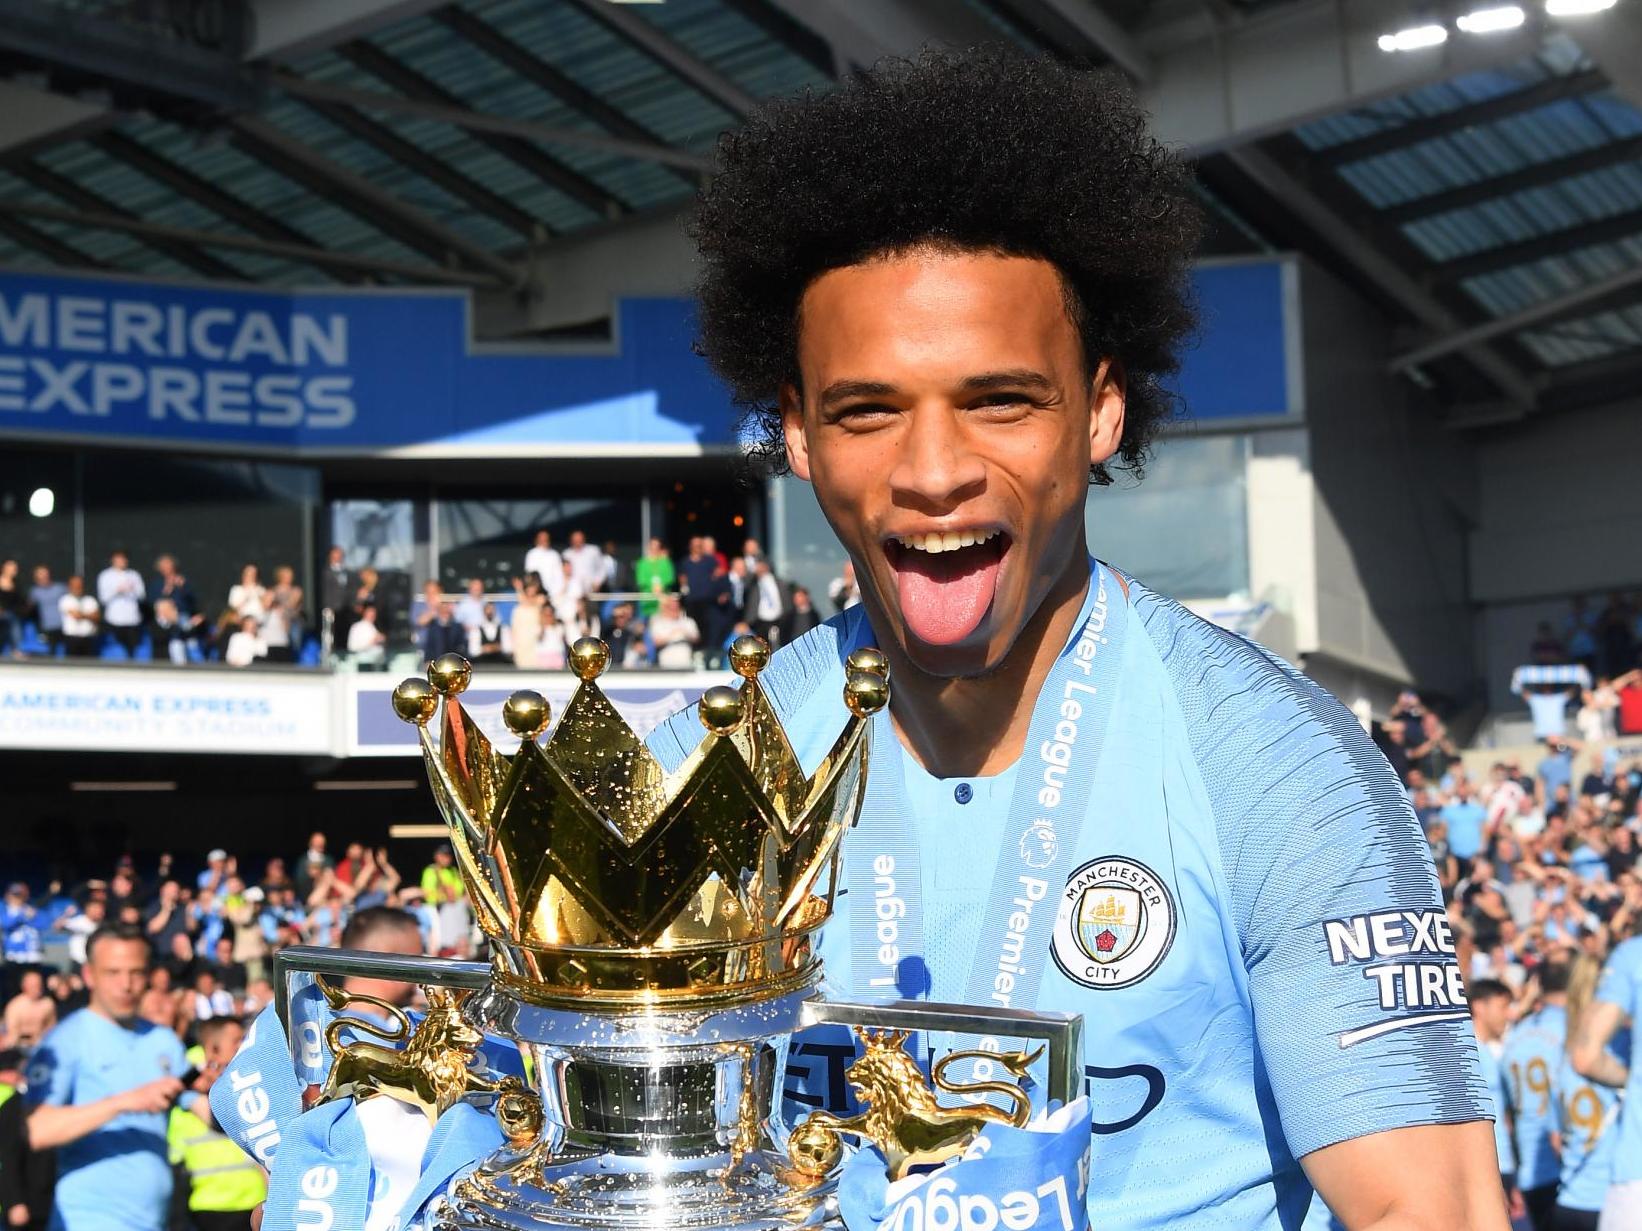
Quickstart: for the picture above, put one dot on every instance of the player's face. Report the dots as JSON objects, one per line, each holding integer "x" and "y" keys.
{"x": 405, "y": 941}
{"x": 224, "y": 1046}
{"x": 116, "y": 975}
{"x": 947, "y": 422}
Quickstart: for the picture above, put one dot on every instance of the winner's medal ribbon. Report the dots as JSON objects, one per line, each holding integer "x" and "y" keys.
{"x": 1011, "y": 1179}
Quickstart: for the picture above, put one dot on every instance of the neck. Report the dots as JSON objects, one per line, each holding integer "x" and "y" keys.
{"x": 102, "y": 1010}
{"x": 976, "y": 725}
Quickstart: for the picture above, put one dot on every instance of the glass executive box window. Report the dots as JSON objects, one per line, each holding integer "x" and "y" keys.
{"x": 487, "y": 536}
{"x": 1184, "y": 529}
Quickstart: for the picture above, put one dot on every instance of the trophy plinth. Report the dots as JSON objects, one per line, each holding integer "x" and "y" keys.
{"x": 652, "y": 1120}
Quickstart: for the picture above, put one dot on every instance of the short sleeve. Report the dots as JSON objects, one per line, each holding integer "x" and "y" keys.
{"x": 51, "y": 1073}
{"x": 1619, "y": 977}
{"x": 1359, "y": 1008}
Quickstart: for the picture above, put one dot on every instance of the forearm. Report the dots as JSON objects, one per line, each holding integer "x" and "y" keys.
{"x": 1605, "y": 1069}
{"x": 51, "y": 1127}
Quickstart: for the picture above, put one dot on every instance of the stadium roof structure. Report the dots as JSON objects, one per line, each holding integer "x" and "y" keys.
{"x": 1488, "y": 191}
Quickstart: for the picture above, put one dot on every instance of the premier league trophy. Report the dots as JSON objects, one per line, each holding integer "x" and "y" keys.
{"x": 653, "y": 952}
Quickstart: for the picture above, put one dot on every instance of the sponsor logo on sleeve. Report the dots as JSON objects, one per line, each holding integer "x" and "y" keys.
{"x": 1408, "y": 955}
{"x": 1115, "y": 924}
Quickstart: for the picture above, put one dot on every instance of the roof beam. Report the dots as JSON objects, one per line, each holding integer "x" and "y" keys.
{"x": 1087, "y": 22}
{"x": 361, "y": 197}
{"x": 1614, "y": 40}
{"x": 83, "y": 198}
{"x": 632, "y": 138}
{"x": 648, "y": 149}
{"x": 795, "y": 36}
{"x": 383, "y": 139}
{"x": 1558, "y": 243}
{"x": 1535, "y": 175}
{"x": 1401, "y": 136}
{"x": 135, "y": 154}
{"x": 1585, "y": 301}
{"x": 288, "y": 29}
{"x": 1284, "y": 67}
{"x": 301, "y": 253}
{"x": 48, "y": 245}
{"x": 1387, "y": 274}
{"x": 863, "y": 34}
{"x": 141, "y": 55}
{"x": 1221, "y": 86}
{"x": 639, "y": 33}
{"x": 537, "y": 162}
{"x": 32, "y": 119}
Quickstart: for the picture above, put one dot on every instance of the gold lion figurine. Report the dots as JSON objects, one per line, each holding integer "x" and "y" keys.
{"x": 431, "y": 1072}
{"x": 902, "y": 1117}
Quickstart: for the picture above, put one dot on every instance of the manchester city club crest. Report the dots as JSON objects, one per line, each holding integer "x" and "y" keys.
{"x": 1115, "y": 923}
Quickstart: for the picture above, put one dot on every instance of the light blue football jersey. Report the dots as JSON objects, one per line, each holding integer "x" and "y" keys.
{"x": 1493, "y": 1076}
{"x": 1587, "y": 1115}
{"x": 117, "y": 1178}
{"x": 1533, "y": 1052}
{"x": 1252, "y": 926}
{"x": 1621, "y": 986}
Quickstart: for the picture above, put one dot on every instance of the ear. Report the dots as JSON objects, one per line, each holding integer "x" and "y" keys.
{"x": 792, "y": 428}
{"x": 1107, "y": 399}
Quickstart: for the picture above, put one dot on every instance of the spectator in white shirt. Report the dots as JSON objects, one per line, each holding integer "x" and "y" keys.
{"x": 470, "y": 609}
{"x": 551, "y": 641}
{"x": 610, "y": 570}
{"x": 568, "y": 597}
{"x": 770, "y": 605}
{"x": 586, "y": 562}
{"x": 120, "y": 591}
{"x": 545, "y": 564}
{"x": 248, "y": 599}
{"x": 490, "y": 640}
{"x": 246, "y": 645}
{"x": 81, "y": 619}
{"x": 365, "y": 641}
{"x": 675, "y": 634}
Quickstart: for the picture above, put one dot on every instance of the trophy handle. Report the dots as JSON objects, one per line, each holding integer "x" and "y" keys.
{"x": 902, "y": 1117}
{"x": 1060, "y": 1033}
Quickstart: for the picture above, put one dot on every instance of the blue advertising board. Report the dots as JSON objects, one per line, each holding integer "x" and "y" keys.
{"x": 350, "y": 372}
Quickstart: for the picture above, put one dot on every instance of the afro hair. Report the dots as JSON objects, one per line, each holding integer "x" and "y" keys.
{"x": 987, "y": 150}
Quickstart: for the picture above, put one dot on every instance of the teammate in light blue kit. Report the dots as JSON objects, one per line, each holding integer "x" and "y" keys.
{"x": 1587, "y": 1116}
{"x": 1490, "y": 1016}
{"x": 947, "y": 292}
{"x": 1533, "y": 1053}
{"x": 101, "y": 1085}
{"x": 1593, "y": 1052}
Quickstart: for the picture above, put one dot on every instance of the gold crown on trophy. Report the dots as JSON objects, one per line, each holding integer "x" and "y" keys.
{"x": 599, "y": 877}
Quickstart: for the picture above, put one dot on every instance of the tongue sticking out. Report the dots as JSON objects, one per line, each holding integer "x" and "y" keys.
{"x": 945, "y": 595}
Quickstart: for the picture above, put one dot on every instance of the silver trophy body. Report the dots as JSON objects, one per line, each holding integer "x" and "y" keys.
{"x": 657, "y": 1120}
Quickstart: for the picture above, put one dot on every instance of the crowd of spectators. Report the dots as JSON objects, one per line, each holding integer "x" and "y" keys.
{"x": 656, "y": 611}
{"x": 202, "y": 945}
{"x": 161, "y": 618}
{"x": 1539, "y": 858}
{"x": 659, "y": 612}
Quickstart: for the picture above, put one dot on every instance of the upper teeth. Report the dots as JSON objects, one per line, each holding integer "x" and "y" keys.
{"x": 949, "y": 540}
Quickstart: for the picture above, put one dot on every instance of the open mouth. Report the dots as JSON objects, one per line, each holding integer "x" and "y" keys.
{"x": 945, "y": 580}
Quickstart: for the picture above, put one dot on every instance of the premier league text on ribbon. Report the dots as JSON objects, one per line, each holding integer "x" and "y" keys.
{"x": 214, "y": 363}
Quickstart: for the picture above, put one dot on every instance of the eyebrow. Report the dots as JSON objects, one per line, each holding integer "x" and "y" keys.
{"x": 1011, "y": 378}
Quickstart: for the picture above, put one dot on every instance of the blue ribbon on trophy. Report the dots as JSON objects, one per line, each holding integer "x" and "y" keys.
{"x": 368, "y": 1171}
{"x": 1023, "y": 1179}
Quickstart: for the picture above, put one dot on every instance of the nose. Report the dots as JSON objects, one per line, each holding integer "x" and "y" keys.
{"x": 937, "y": 467}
